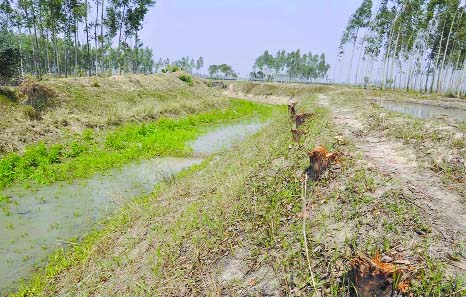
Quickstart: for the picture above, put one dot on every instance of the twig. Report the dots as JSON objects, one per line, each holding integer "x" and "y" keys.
{"x": 459, "y": 291}
{"x": 304, "y": 194}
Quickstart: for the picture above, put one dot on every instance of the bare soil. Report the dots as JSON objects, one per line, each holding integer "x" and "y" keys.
{"x": 444, "y": 208}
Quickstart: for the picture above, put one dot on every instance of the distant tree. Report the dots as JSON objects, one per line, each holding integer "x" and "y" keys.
{"x": 222, "y": 71}
{"x": 292, "y": 66}
{"x": 199, "y": 63}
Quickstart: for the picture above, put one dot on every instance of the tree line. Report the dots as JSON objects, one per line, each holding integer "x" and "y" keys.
{"x": 292, "y": 67}
{"x": 222, "y": 71}
{"x": 75, "y": 37}
{"x": 409, "y": 44}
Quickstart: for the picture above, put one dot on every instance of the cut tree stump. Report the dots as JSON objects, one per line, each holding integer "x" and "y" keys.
{"x": 297, "y": 133}
{"x": 320, "y": 160}
{"x": 301, "y": 118}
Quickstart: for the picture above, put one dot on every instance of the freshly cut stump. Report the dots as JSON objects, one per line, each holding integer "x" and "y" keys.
{"x": 320, "y": 160}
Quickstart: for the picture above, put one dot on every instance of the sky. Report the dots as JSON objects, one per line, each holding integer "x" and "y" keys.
{"x": 235, "y": 32}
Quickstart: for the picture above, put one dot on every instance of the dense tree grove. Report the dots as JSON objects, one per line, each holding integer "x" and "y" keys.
{"x": 410, "y": 44}
{"x": 222, "y": 71}
{"x": 76, "y": 37}
{"x": 186, "y": 64}
{"x": 289, "y": 67}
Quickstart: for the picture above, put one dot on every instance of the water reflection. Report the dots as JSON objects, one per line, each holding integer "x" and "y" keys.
{"x": 423, "y": 111}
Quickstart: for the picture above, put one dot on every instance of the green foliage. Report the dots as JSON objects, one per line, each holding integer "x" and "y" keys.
{"x": 186, "y": 78}
{"x": 9, "y": 59}
{"x": 289, "y": 66}
{"x": 88, "y": 153}
{"x": 8, "y": 93}
{"x": 171, "y": 68}
{"x": 222, "y": 71}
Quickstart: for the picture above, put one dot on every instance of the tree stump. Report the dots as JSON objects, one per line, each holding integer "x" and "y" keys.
{"x": 320, "y": 159}
{"x": 300, "y": 119}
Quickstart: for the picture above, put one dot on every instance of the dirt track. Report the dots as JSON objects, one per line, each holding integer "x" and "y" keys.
{"x": 442, "y": 207}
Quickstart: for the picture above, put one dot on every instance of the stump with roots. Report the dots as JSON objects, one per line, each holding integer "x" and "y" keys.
{"x": 292, "y": 108}
{"x": 320, "y": 159}
{"x": 297, "y": 134}
{"x": 300, "y": 119}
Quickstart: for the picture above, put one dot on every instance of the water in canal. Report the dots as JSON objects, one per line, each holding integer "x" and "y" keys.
{"x": 43, "y": 217}
{"x": 423, "y": 111}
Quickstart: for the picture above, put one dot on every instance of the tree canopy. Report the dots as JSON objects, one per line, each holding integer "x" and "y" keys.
{"x": 413, "y": 44}
{"x": 222, "y": 71}
{"x": 292, "y": 66}
{"x": 77, "y": 37}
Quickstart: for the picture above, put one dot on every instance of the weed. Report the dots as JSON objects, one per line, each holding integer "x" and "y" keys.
{"x": 186, "y": 78}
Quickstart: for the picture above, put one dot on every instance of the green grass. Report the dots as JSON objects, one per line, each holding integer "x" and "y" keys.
{"x": 251, "y": 198}
{"x": 88, "y": 153}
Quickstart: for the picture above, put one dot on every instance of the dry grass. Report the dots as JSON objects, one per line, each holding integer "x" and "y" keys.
{"x": 234, "y": 228}
{"x": 440, "y": 144}
{"x": 100, "y": 103}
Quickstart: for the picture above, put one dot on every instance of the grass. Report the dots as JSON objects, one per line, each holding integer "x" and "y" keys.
{"x": 101, "y": 103}
{"x": 174, "y": 241}
{"x": 88, "y": 153}
{"x": 438, "y": 144}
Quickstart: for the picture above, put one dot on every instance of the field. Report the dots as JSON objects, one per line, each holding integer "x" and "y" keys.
{"x": 248, "y": 221}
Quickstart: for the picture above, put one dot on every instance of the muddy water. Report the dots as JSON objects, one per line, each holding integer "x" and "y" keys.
{"x": 423, "y": 110}
{"x": 45, "y": 217}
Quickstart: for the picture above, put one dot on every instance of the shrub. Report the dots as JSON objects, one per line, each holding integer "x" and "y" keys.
{"x": 186, "y": 78}
{"x": 8, "y": 93}
{"x": 31, "y": 113}
{"x": 9, "y": 61}
{"x": 171, "y": 68}
{"x": 36, "y": 95}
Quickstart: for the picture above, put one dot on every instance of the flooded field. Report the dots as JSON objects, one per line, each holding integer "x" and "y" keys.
{"x": 44, "y": 217}
{"x": 423, "y": 110}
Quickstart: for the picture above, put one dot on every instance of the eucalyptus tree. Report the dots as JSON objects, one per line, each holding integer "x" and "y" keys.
{"x": 199, "y": 63}
{"x": 291, "y": 66}
{"x": 358, "y": 21}
{"x": 49, "y": 33}
{"x": 415, "y": 43}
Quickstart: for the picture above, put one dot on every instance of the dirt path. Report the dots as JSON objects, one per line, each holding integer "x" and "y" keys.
{"x": 442, "y": 207}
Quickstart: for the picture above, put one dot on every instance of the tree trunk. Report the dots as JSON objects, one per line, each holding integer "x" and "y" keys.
{"x": 96, "y": 62}
{"x": 102, "y": 68}
{"x": 352, "y": 57}
{"x": 119, "y": 39}
{"x": 88, "y": 58}
{"x": 445, "y": 51}
{"x": 37, "y": 43}
{"x": 76, "y": 64}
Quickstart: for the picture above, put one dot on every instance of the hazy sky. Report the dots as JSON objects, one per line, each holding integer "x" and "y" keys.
{"x": 237, "y": 31}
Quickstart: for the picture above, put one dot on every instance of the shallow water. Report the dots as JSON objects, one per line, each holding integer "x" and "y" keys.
{"x": 224, "y": 137}
{"x": 44, "y": 217}
{"x": 423, "y": 111}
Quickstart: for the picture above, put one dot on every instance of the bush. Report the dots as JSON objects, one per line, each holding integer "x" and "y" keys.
{"x": 186, "y": 78}
{"x": 8, "y": 93}
{"x": 9, "y": 61}
{"x": 36, "y": 95}
{"x": 31, "y": 113}
{"x": 171, "y": 68}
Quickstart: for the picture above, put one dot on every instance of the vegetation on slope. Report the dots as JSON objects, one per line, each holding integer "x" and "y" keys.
{"x": 234, "y": 226}
{"x": 88, "y": 152}
{"x": 99, "y": 103}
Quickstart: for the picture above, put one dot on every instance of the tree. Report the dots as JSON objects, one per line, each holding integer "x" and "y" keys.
{"x": 199, "y": 63}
